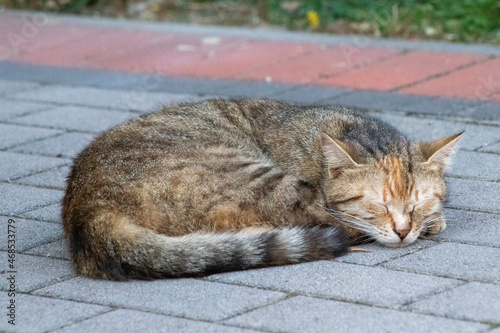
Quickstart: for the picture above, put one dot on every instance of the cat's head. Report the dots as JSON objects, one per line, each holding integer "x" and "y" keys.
{"x": 391, "y": 199}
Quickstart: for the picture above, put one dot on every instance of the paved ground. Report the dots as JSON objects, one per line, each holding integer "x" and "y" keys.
{"x": 64, "y": 80}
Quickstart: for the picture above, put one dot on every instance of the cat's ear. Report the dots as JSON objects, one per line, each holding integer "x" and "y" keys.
{"x": 438, "y": 153}
{"x": 336, "y": 153}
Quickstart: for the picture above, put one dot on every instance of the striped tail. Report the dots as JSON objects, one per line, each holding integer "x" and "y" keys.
{"x": 148, "y": 255}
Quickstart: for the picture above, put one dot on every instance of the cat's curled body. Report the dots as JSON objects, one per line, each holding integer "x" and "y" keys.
{"x": 234, "y": 184}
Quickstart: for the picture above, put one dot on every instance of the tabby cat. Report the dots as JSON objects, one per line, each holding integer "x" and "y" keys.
{"x": 225, "y": 185}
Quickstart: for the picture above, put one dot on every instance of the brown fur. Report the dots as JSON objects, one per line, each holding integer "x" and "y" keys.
{"x": 222, "y": 185}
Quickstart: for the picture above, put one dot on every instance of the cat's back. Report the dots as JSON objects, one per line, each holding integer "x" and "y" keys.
{"x": 174, "y": 141}
{"x": 257, "y": 129}
{"x": 190, "y": 127}
{"x": 209, "y": 122}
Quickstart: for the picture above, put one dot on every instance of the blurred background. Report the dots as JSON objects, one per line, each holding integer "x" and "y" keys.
{"x": 467, "y": 21}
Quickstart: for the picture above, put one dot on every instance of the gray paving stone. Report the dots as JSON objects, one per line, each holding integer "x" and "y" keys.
{"x": 66, "y": 76}
{"x": 184, "y": 85}
{"x": 16, "y": 165}
{"x": 7, "y": 87}
{"x": 19, "y": 198}
{"x": 51, "y": 213}
{"x": 58, "y": 249}
{"x": 425, "y": 129}
{"x": 377, "y": 100}
{"x": 494, "y": 148}
{"x": 76, "y": 118}
{"x": 66, "y": 145}
{"x": 252, "y": 89}
{"x": 471, "y": 227}
{"x": 486, "y": 111}
{"x": 472, "y": 194}
{"x": 76, "y": 76}
{"x": 460, "y": 261}
{"x": 305, "y": 94}
{"x": 424, "y": 105}
{"x": 34, "y": 272}
{"x": 173, "y": 89}
{"x": 13, "y": 108}
{"x": 452, "y": 107}
{"x": 471, "y": 164}
{"x": 112, "y": 80}
{"x": 138, "y": 99}
{"x": 55, "y": 178}
{"x": 14, "y": 134}
{"x": 342, "y": 281}
{"x": 180, "y": 297}
{"x": 136, "y": 321}
{"x": 29, "y": 233}
{"x": 473, "y": 301}
{"x": 142, "y": 100}
{"x": 332, "y": 316}
{"x": 41, "y": 314}
{"x": 379, "y": 253}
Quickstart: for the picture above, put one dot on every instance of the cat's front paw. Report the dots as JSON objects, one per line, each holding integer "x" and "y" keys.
{"x": 436, "y": 226}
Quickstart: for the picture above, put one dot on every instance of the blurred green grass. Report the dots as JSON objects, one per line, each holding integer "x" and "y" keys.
{"x": 468, "y": 21}
{"x": 464, "y": 21}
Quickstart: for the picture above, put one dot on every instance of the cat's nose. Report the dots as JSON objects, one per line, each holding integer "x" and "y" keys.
{"x": 402, "y": 233}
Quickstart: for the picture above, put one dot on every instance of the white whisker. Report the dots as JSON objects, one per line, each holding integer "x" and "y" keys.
{"x": 433, "y": 222}
{"x": 353, "y": 222}
{"x": 344, "y": 213}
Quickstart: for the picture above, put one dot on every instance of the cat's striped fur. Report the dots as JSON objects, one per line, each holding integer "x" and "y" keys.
{"x": 234, "y": 184}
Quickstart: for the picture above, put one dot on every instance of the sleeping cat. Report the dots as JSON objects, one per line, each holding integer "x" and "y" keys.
{"x": 225, "y": 185}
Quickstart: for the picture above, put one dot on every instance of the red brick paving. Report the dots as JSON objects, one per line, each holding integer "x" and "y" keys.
{"x": 20, "y": 39}
{"x": 312, "y": 66}
{"x": 479, "y": 81}
{"x": 246, "y": 57}
{"x": 174, "y": 55}
{"x": 26, "y": 38}
{"x": 401, "y": 70}
{"x": 84, "y": 49}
